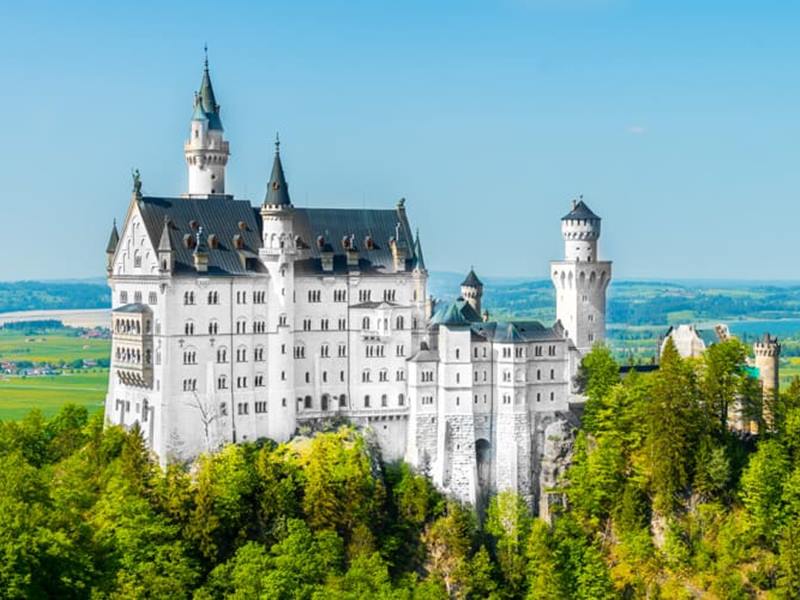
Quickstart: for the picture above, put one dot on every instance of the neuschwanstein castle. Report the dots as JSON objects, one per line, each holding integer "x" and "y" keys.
{"x": 233, "y": 323}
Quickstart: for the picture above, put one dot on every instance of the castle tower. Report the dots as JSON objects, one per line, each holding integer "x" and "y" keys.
{"x": 580, "y": 279}
{"x": 278, "y": 254}
{"x": 472, "y": 290}
{"x": 767, "y": 354}
{"x": 206, "y": 150}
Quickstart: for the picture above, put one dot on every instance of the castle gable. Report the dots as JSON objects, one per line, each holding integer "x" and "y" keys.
{"x": 135, "y": 252}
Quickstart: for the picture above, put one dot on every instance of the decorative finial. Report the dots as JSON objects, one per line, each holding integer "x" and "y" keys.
{"x": 205, "y": 52}
{"x": 137, "y": 182}
{"x": 277, "y": 143}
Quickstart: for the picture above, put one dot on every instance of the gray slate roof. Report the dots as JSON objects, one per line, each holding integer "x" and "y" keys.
{"x": 580, "y": 211}
{"x": 217, "y": 216}
{"x": 509, "y": 332}
{"x": 221, "y": 216}
{"x": 334, "y": 224}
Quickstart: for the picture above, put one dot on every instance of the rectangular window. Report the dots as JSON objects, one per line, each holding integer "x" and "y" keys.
{"x": 261, "y": 407}
{"x": 152, "y": 298}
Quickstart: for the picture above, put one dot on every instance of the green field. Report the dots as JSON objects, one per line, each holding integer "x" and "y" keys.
{"x": 51, "y": 346}
{"x": 18, "y": 395}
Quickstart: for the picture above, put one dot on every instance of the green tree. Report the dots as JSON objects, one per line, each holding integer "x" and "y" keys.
{"x": 597, "y": 374}
{"x": 448, "y": 540}
{"x": 544, "y": 576}
{"x": 508, "y": 521}
{"x": 673, "y": 421}
{"x": 762, "y": 487}
{"x": 722, "y": 380}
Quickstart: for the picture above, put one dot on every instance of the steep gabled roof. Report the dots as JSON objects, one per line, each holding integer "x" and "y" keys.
{"x": 223, "y": 217}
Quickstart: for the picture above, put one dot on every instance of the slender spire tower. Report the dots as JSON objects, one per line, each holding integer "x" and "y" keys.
{"x": 206, "y": 150}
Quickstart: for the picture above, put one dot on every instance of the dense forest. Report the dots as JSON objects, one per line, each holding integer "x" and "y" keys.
{"x": 661, "y": 501}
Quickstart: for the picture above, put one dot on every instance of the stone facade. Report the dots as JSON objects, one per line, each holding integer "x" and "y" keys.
{"x": 234, "y": 323}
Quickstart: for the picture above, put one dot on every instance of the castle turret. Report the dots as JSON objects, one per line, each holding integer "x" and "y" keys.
{"x": 581, "y": 279}
{"x": 278, "y": 254}
{"x": 767, "y": 353}
{"x": 111, "y": 247}
{"x": 472, "y": 290}
{"x": 206, "y": 150}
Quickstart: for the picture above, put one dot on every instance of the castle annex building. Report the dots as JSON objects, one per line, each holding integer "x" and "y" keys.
{"x": 233, "y": 322}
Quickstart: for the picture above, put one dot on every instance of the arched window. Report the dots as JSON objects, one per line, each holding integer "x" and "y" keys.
{"x": 366, "y": 401}
{"x": 308, "y": 402}
{"x": 324, "y": 401}
{"x": 343, "y": 401}
{"x": 384, "y": 400}
{"x": 222, "y": 382}
{"x": 401, "y": 400}
{"x": 222, "y": 355}
{"x": 188, "y": 328}
{"x": 365, "y": 323}
{"x": 399, "y": 322}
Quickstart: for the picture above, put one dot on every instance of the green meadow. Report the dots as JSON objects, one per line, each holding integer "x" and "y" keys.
{"x": 51, "y": 346}
{"x": 18, "y": 395}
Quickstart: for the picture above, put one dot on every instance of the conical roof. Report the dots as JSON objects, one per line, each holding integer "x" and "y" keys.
{"x": 418, "y": 253}
{"x": 206, "y": 103}
{"x": 165, "y": 244}
{"x": 113, "y": 239}
{"x": 472, "y": 280}
{"x": 277, "y": 189}
{"x": 580, "y": 211}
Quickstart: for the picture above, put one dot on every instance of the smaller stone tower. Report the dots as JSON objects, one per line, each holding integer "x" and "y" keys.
{"x": 206, "y": 150}
{"x": 472, "y": 290}
{"x": 767, "y": 358}
{"x": 581, "y": 279}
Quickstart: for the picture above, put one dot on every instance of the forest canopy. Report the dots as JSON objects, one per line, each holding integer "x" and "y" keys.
{"x": 662, "y": 500}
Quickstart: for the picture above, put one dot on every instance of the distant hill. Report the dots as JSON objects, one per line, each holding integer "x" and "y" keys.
{"x": 53, "y": 295}
{"x": 638, "y": 302}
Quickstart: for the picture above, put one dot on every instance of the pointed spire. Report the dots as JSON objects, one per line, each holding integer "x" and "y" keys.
{"x": 472, "y": 279}
{"x": 113, "y": 239}
{"x": 205, "y": 102}
{"x": 165, "y": 244}
{"x": 277, "y": 188}
{"x": 418, "y": 253}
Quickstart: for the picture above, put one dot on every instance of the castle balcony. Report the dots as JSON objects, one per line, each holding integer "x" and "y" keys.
{"x": 132, "y": 345}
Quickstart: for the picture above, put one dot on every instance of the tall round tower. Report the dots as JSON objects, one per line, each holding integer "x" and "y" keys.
{"x": 472, "y": 290}
{"x": 278, "y": 254}
{"x": 581, "y": 279}
{"x": 206, "y": 150}
{"x": 767, "y": 353}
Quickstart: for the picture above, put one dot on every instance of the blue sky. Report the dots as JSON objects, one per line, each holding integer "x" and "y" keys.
{"x": 677, "y": 122}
